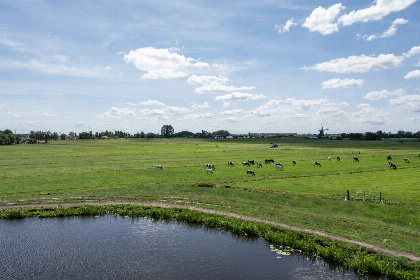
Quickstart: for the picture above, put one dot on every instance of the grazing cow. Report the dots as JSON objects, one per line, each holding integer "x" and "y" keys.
{"x": 317, "y": 164}
{"x": 259, "y": 164}
{"x": 407, "y": 160}
{"x": 206, "y": 165}
{"x": 356, "y": 159}
{"x": 251, "y": 161}
{"x": 248, "y": 172}
{"x": 338, "y": 158}
{"x": 230, "y": 164}
{"x": 158, "y": 166}
{"x": 391, "y": 165}
{"x": 211, "y": 166}
{"x": 209, "y": 171}
{"x": 279, "y": 166}
{"x": 245, "y": 163}
{"x": 267, "y": 161}
{"x": 274, "y": 145}
{"x": 329, "y": 158}
{"x": 389, "y": 158}
{"x": 294, "y": 163}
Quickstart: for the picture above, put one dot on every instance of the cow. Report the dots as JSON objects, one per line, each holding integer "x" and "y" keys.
{"x": 245, "y": 163}
{"x": 250, "y": 172}
{"x": 389, "y": 158}
{"x": 407, "y": 160}
{"x": 317, "y": 164}
{"x": 338, "y": 158}
{"x": 391, "y": 165}
{"x": 211, "y": 166}
{"x": 294, "y": 163}
{"x": 267, "y": 161}
{"x": 230, "y": 164}
{"x": 158, "y": 166}
{"x": 273, "y": 145}
{"x": 259, "y": 164}
{"x": 206, "y": 165}
{"x": 279, "y": 166}
{"x": 355, "y": 159}
{"x": 251, "y": 161}
{"x": 209, "y": 171}
{"x": 329, "y": 158}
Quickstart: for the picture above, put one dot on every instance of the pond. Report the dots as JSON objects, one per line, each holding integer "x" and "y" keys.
{"x": 114, "y": 247}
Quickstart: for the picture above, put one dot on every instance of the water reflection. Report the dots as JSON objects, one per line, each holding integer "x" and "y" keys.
{"x": 114, "y": 247}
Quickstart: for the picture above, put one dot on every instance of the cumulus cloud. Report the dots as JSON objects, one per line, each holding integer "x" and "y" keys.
{"x": 412, "y": 74}
{"x": 198, "y": 106}
{"x": 342, "y": 83}
{"x": 410, "y": 102}
{"x": 117, "y": 112}
{"x": 177, "y": 110}
{"x": 231, "y": 119}
{"x": 286, "y": 27}
{"x": 239, "y": 96}
{"x": 414, "y": 51}
{"x": 231, "y": 112}
{"x": 359, "y": 64}
{"x": 324, "y": 20}
{"x": 377, "y": 11}
{"x": 152, "y": 102}
{"x": 151, "y": 112}
{"x": 391, "y": 31}
{"x": 162, "y": 63}
{"x": 210, "y": 84}
{"x": 370, "y": 114}
{"x": 383, "y": 94}
{"x": 199, "y": 116}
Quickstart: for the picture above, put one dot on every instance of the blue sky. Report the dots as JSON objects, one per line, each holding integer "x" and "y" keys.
{"x": 243, "y": 66}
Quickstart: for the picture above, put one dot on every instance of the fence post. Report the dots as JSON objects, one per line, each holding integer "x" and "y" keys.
{"x": 380, "y": 197}
{"x": 348, "y": 195}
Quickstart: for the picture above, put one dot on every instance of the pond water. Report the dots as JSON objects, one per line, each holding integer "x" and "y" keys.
{"x": 114, "y": 247}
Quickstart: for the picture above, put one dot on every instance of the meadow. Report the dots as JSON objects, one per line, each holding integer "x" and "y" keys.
{"x": 302, "y": 195}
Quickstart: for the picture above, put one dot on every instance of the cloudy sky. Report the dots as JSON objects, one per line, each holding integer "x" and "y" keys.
{"x": 244, "y": 66}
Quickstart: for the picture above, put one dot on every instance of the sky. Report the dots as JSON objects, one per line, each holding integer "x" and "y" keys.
{"x": 274, "y": 66}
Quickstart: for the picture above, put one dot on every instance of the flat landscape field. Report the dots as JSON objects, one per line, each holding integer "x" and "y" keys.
{"x": 302, "y": 195}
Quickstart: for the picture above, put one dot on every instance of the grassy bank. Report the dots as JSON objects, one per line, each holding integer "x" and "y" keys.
{"x": 301, "y": 195}
{"x": 361, "y": 259}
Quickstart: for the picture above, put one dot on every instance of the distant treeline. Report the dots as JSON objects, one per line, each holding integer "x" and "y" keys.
{"x": 8, "y": 138}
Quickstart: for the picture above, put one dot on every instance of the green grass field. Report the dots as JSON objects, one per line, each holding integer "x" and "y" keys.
{"x": 301, "y": 195}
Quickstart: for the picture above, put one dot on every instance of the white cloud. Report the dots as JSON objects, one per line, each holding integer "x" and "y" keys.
{"x": 162, "y": 63}
{"x": 108, "y": 68}
{"x": 324, "y": 20}
{"x": 342, "y": 83}
{"x": 414, "y": 51}
{"x": 391, "y": 31}
{"x": 177, "y": 110}
{"x": 211, "y": 84}
{"x": 286, "y": 27}
{"x": 231, "y": 112}
{"x": 151, "y": 102}
{"x": 117, "y": 112}
{"x": 151, "y": 112}
{"x": 383, "y": 94}
{"x": 198, "y": 106}
{"x": 369, "y": 114}
{"x": 410, "y": 102}
{"x": 232, "y": 119}
{"x": 412, "y": 74}
{"x": 359, "y": 64}
{"x": 199, "y": 116}
{"x": 239, "y": 96}
{"x": 377, "y": 11}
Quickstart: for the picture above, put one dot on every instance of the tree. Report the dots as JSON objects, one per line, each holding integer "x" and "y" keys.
{"x": 221, "y": 133}
{"x": 167, "y": 131}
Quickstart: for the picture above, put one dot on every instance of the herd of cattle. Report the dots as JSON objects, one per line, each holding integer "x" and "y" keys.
{"x": 210, "y": 167}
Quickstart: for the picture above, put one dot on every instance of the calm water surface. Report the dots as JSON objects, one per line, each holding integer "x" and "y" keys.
{"x": 114, "y": 247}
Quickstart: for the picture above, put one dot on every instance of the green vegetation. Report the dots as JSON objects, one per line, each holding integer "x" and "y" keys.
{"x": 301, "y": 195}
{"x": 361, "y": 259}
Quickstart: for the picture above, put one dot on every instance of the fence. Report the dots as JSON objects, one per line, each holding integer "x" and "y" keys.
{"x": 364, "y": 196}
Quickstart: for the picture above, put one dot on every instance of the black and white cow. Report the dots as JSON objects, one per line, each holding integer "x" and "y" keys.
{"x": 389, "y": 158}
{"x": 338, "y": 158}
{"x": 316, "y": 163}
{"x": 230, "y": 164}
{"x": 355, "y": 159}
{"x": 329, "y": 158}
{"x": 259, "y": 164}
{"x": 267, "y": 161}
{"x": 250, "y": 172}
{"x": 158, "y": 166}
{"x": 407, "y": 160}
{"x": 391, "y": 165}
{"x": 245, "y": 163}
{"x": 251, "y": 161}
{"x": 279, "y": 166}
{"x": 273, "y": 145}
{"x": 294, "y": 163}
{"x": 209, "y": 171}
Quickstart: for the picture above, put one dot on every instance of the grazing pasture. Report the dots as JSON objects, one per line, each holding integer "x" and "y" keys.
{"x": 303, "y": 195}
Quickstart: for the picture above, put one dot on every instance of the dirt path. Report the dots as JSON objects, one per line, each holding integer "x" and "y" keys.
{"x": 229, "y": 214}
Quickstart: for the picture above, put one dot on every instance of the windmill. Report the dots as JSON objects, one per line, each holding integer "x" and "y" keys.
{"x": 321, "y": 131}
